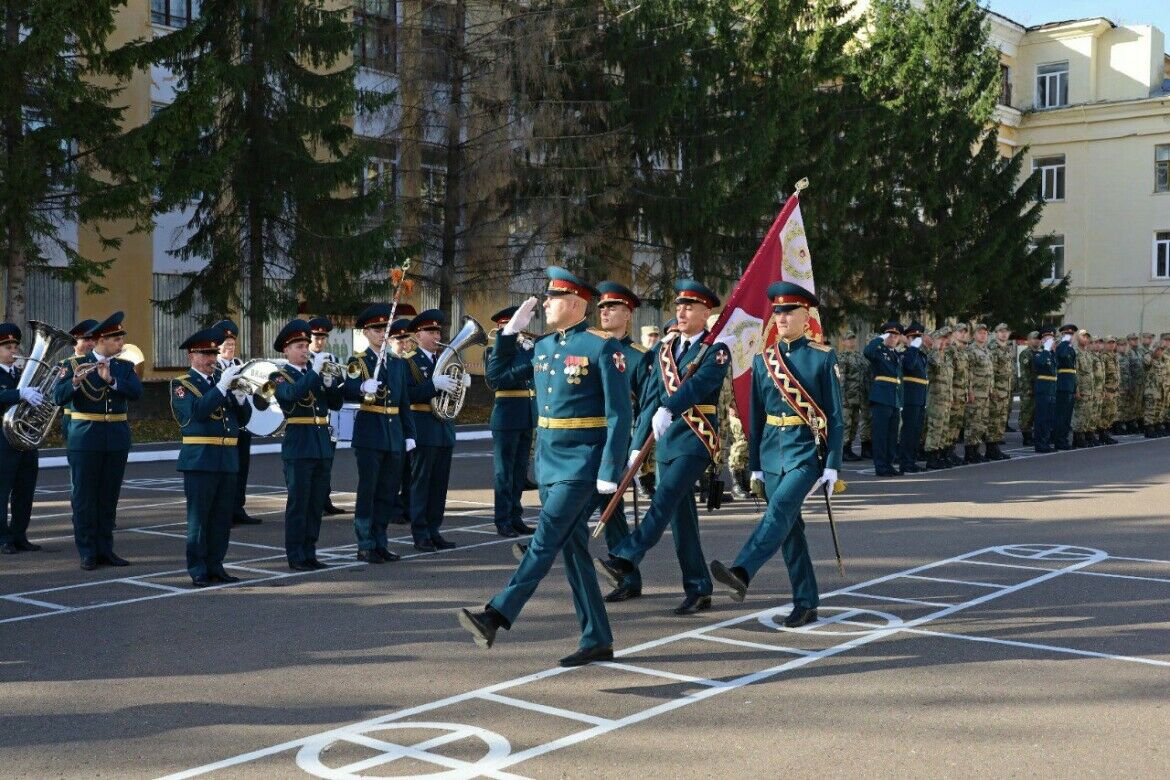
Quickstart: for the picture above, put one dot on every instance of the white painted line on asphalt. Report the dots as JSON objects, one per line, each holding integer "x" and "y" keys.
{"x": 156, "y": 585}
{"x": 955, "y": 582}
{"x": 1136, "y": 659}
{"x": 36, "y": 603}
{"x": 755, "y": 645}
{"x": 661, "y": 673}
{"x": 918, "y": 602}
{"x": 545, "y": 709}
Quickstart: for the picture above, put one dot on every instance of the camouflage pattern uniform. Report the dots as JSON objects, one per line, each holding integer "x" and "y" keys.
{"x": 1112, "y": 384}
{"x": 865, "y": 425}
{"x": 961, "y": 381}
{"x": 938, "y": 399}
{"x": 982, "y": 371}
{"x": 1098, "y": 408}
{"x": 1154, "y": 391}
{"x": 1082, "y": 419}
{"x": 735, "y": 446}
{"x": 1125, "y": 386}
{"x": 1165, "y": 383}
{"x": 1027, "y": 379}
{"x": 854, "y": 368}
{"x": 1137, "y": 384}
{"x": 1003, "y": 362}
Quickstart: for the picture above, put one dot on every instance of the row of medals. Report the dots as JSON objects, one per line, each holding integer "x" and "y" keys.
{"x": 575, "y": 368}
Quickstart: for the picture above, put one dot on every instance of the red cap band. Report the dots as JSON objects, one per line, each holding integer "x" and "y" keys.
{"x": 562, "y": 286}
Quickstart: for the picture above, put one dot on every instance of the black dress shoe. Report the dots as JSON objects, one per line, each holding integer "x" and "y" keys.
{"x": 731, "y": 578}
{"x": 518, "y": 550}
{"x": 481, "y": 625}
{"x": 523, "y": 528}
{"x": 299, "y": 566}
{"x": 369, "y": 556}
{"x": 316, "y": 564}
{"x": 424, "y": 546}
{"x": 330, "y": 509}
{"x": 800, "y": 616}
{"x": 26, "y": 546}
{"x": 386, "y": 555}
{"x": 587, "y": 655}
{"x": 246, "y": 519}
{"x": 8, "y": 549}
{"x": 225, "y": 578}
{"x": 507, "y": 532}
{"x": 89, "y": 564}
{"x": 113, "y": 560}
{"x": 622, "y": 593}
{"x": 614, "y": 569}
{"x": 201, "y": 582}
{"x": 692, "y": 604}
{"x": 442, "y": 544}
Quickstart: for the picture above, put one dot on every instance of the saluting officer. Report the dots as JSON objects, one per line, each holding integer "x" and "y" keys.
{"x": 1044, "y": 384}
{"x": 431, "y": 462}
{"x": 583, "y": 398}
{"x": 18, "y": 468}
{"x": 683, "y": 416}
{"x": 209, "y": 413}
{"x": 885, "y": 396}
{"x": 319, "y": 330}
{"x": 83, "y": 343}
{"x": 1066, "y": 388}
{"x": 228, "y": 357}
{"x": 915, "y": 388}
{"x": 99, "y": 439}
{"x": 615, "y": 309}
{"x": 512, "y": 423}
{"x": 305, "y": 397}
{"x": 402, "y": 347}
{"x": 785, "y": 437}
{"x": 383, "y": 432}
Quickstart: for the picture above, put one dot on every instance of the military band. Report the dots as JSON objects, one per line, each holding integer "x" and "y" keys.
{"x": 319, "y": 330}
{"x": 402, "y": 346}
{"x": 18, "y": 467}
{"x": 227, "y": 358}
{"x": 512, "y": 423}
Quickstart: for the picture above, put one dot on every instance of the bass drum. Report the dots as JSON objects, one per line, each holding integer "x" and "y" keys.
{"x": 268, "y": 421}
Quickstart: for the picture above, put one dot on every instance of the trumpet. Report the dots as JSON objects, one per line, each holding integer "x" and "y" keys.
{"x": 252, "y": 378}
{"x": 130, "y": 353}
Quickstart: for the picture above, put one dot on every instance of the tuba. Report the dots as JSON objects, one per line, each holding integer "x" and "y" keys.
{"x": 446, "y": 406}
{"x": 25, "y": 424}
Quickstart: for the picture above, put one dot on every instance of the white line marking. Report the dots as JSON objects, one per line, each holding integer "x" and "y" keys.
{"x": 918, "y": 602}
{"x": 757, "y": 645}
{"x": 38, "y": 603}
{"x": 546, "y": 709}
{"x": 1037, "y": 646}
{"x": 156, "y": 585}
{"x": 660, "y": 673}
{"x": 956, "y": 582}
{"x": 1139, "y": 560}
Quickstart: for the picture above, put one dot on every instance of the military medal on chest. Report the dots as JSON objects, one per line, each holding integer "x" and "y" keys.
{"x": 575, "y": 368}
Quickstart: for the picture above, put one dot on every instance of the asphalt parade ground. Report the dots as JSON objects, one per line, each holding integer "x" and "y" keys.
{"x": 1005, "y": 619}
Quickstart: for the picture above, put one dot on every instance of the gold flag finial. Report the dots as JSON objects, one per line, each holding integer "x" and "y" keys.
{"x": 802, "y": 184}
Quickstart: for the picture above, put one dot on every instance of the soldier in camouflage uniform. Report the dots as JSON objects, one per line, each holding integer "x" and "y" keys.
{"x": 960, "y": 386}
{"x": 1165, "y": 429}
{"x": 976, "y": 413}
{"x": 1112, "y": 390}
{"x": 1003, "y": 361}
{"x": 1125, "y": 389}
{"x": 1154, "y": 392}
{"x": 1097, "y": 353}
{"x": 1145, "y": 355}
{"x": 1085, "y": 398}
{"x": 854, "y": 401}
{"x": 865, "y": 424}
{"x": 1027, "y": 379}
{"x": 734, "y": 441}
{"x": 1137, "y": 384}
{"x": 938, "y": 399}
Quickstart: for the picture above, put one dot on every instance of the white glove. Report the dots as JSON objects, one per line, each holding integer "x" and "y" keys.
{"x": 466, "y": 379}
{"x": 661, "y": 421}
{"x": 328, "y": 379}
{"x": 1048, "y": 344}
{"x": 757, "y": 476}
{"x": 606, "y": 488}
{"x": 371, "y": 386}
{"x": 241, "y": 396}
{"x": 828, "y": 477}
{"x": 226, "y": 378}
{"x": 1066, "y": 337}
{"x": 521, "y": 318}
{"x": 32, "y": 395}
{"x": 443, "y": 383}
{"x": 319, "y": 360}
{"x": 410, "y": 445}
{"x": 916, "y": 342}
{"x": 633, "y": 457}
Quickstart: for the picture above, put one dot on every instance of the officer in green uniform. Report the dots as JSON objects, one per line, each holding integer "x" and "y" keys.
{"x": 305, "y": 397}
{"x": 18, "y": 468}
{"x": 99, "y": 438}
{"x": 885, "y": 396}
{"x": 227, "y": 357}
{"x": 1043, "y": 371}
{"x": 683, "y": 416}
{"x": 784, "y": 449}
{"x": 383, "y": 432}
{"x": 915, "y": 388}
{"x": 82, "y": 345}
{"x": 319, "y": 330}
{"x": 431, "y": 461}
{"x": 512, "y": 423}
{"x": 583, "y": 400}
{"x": 209, "y": 413}
{"x": 1066, "y": 388}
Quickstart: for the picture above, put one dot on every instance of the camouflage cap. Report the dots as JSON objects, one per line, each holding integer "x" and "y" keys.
{"x": 941, "y": 333}
{"x": 1131, "y": 336}
{"x": 1033, "y": 334}
{"x": 1164, "y": 336}
{"x": 1110, "y": 339}
{"x": 1003, "y": 326}
{"x": 960, "y": 327}
{"x": 1084, "y": 332}
{"x": 978, "y": 326}
{"x": 1147, "y": 335}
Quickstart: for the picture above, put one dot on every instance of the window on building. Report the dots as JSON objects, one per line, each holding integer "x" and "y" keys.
{"x": 1005, "y": 85}
{"x": 1162, "y": 254}
{"x": 1162, "y": 168}
{"x": 174, "y": 13}
{"x": 438, "y": 41}
{"x": 433, "y": 185}
{"x": 1052, "y": 85}
{"x": 1056, "y": 270}
{"x": 375, "y": 24}
{"x": 1051, "y": 176}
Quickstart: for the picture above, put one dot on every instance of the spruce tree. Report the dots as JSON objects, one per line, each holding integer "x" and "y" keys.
{"x": 65, "y": 158}
{"x": 259, "y": 145}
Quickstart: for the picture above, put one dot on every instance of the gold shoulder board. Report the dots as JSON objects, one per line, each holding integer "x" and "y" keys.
{"x": 819, "y": 346}
{"x": 598, "y": 332}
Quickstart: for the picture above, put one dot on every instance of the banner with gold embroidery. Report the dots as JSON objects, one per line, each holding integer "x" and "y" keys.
{"x": 793, "y": 392}
{"x": 695, "y": 420}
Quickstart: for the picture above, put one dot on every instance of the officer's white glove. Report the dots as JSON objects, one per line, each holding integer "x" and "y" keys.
{"x": 521, "y": 318}
{"x": 410, "y": 445}
{"x": 371, "y": 386}
{"x": 1066, "y": 337}
{"x": 443, "y": 383}
{"x": 31, "y": 395}
{"x": 661, "y": 421}
{"x": 828, "y": 477}
{"x": 606, "y": 488}
{"x": 226, "y": 378}
{"x": 329, "y": 379}
{"x": 1048, "y": 344}
{"x": 319, "y": 360}
{"x": 916, "y": 342}
{"x": 241, "y": 396}
{"x": 633, "y": 457}
{"x": 466, "y": 379}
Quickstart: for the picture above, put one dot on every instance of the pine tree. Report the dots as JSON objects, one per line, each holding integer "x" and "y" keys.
{"x": 259, "y": 145}
{"x": 65, "y": 158}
